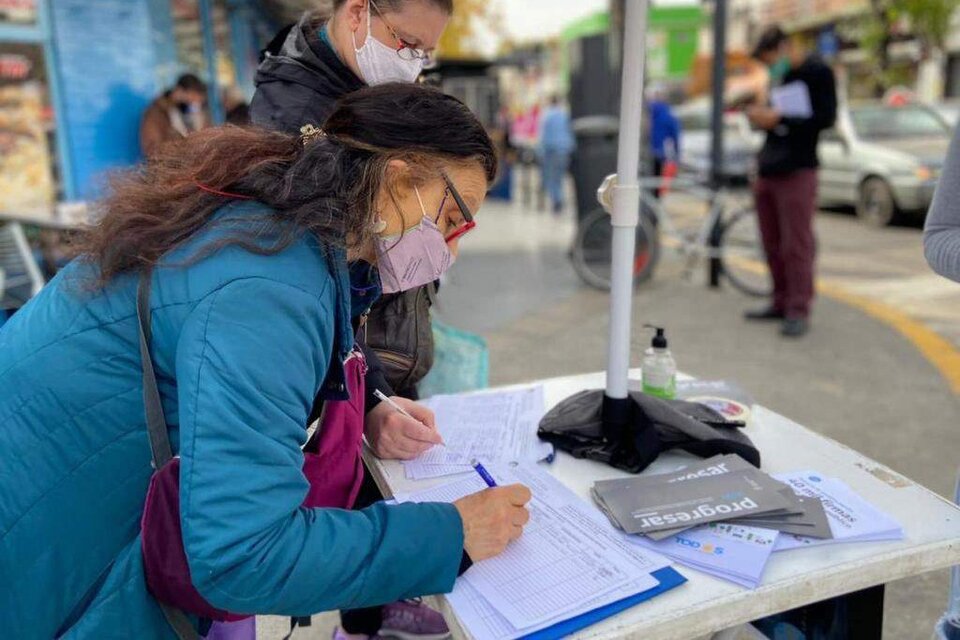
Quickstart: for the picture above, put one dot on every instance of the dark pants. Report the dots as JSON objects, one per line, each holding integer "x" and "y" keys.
{"x": 785, "y": 208}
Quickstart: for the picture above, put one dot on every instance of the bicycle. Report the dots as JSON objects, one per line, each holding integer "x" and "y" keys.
{"x": 730, "y": 237}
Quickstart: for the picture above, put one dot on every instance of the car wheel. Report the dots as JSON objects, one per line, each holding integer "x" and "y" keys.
{"x": 876, "y": 205}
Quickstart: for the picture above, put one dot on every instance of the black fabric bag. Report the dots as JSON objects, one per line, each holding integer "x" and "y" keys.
{"x": 656, "y": 425}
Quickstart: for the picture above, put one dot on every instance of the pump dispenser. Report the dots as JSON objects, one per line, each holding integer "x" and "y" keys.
{"x": 659, "y": 367}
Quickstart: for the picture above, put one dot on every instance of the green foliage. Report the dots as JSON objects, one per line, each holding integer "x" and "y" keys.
{"x": 927, "y": 20}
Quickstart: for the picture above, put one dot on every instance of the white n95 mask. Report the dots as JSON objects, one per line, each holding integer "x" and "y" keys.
{"x": 380, "y": 64}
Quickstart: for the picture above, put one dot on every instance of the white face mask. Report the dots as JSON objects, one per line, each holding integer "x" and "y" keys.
{"x": 380, "y": 64}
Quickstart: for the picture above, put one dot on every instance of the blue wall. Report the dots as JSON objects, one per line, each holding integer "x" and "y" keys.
{"x": 106, "y": 62}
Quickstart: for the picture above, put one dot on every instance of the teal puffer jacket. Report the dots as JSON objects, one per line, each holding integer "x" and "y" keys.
{"x": 242, "y": 344}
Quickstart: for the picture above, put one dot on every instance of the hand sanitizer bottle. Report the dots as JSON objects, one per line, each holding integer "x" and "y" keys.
{"x": 659, "y": 368}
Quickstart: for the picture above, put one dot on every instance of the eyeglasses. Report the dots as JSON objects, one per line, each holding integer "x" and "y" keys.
{"x": 468, "y": 222}
{"x": 405, "y": 50}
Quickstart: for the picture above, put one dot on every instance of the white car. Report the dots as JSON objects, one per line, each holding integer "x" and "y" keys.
{"x": 740, "y": 142}
{"x": 882, "y": 160}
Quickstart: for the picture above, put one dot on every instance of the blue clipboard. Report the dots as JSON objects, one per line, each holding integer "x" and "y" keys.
{"x": 668, "y": 578}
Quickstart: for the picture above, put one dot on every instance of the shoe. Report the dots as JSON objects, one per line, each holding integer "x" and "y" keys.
{"x": 794, "y": 327}
{"x": 413, "y": 620}
{"x": 769, "y": 313}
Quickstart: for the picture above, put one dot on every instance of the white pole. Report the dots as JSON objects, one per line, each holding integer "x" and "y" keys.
{"x": 626, "y": 198}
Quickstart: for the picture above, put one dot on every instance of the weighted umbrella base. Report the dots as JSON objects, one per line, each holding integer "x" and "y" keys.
{"x": 630, "y": 433}
{"x": 609, "y": 430}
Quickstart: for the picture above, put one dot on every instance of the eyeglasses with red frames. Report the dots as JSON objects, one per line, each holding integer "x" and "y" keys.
{"x": 405, "y": 50}
{"x": 468, "y": 222}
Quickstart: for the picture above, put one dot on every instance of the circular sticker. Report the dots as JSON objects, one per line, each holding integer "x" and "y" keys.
{"x": 729, "y": 409}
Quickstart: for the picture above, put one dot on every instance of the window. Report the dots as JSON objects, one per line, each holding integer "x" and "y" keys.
{"x": 882, "y": 122}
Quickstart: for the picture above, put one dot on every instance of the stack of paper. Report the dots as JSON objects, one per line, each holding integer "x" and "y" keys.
{"x": 724, "y": 517}
{"x": 732, "y": 552}
{"x": 724, "y": 488}
{"x": 850, "y": 517}
{"x": 497, "y": 426}
{"x": 568, "y": 565}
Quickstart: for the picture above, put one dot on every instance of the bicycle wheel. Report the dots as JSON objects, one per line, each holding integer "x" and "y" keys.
{"x": 592, "y": 250}
{"x": 741, "y": 254}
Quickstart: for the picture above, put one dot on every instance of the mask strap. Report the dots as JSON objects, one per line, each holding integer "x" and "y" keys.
{"x": 369, "y": 17}
{"x": 353, "y": 34}
{"x": 423, "y": 209}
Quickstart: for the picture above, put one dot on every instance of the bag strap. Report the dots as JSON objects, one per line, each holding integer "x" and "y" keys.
{"x": 160, "y": 449}
{"x": 153, "y": 408}
{"x": 179, "y": 622}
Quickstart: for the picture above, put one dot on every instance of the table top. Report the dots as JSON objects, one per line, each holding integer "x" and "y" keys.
{"x": 793, "y": 578}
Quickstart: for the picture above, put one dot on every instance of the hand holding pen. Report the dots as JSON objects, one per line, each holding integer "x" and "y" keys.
{"x": 400, "y": 429}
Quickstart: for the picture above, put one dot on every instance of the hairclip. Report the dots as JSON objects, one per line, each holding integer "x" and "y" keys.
{"x": 308, "y": 132}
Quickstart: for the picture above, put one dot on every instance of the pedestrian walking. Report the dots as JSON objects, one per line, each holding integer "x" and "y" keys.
{"x": 786, "y": 189}
{"x": 556, "y": 145}
{"x": 664, "y": 133}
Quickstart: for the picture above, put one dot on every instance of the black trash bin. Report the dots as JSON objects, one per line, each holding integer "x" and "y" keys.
{"x": 594, "y": 159}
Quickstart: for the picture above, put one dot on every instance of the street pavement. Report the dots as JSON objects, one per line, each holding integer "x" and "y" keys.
{"x": 853, "y": 378}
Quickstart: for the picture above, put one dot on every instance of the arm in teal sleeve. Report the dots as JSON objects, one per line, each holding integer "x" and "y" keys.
{"x": 249, "y": 359}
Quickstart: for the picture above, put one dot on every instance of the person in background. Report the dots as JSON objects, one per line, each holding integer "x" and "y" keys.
{"x": 310, "y": 65}
{"x": 236, "y": 111}
{"x": 941, "y": 231}
{"x": 556, "y": 145}
{"x": 174, "y": 115}
{"x": 304, "y": 71}
{"x": 786, "y": 189}
{"x": 664, "y": 131}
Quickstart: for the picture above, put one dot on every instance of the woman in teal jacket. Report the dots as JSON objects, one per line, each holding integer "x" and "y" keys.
{"x": 249, "y": 235}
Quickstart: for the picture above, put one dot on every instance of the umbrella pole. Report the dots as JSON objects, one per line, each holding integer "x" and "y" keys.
{"x": 609, "y": 423}
{"x": 626, "y": 198}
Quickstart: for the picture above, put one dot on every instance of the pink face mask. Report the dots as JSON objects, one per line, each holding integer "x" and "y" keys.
{"x": 413, "y": 258}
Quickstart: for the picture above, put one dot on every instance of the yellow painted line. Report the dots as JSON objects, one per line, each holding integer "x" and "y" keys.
{"x": 936, "y": 349}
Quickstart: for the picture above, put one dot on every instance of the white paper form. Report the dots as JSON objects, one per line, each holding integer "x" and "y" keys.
{"x": 499, "y": 426}
{"x": 568, "y": 557}
{"x": 420, "y": 471}
{"x": 484, "y": 622}
{"x": 852, "y": 519}
{"x": 792, "y": 100}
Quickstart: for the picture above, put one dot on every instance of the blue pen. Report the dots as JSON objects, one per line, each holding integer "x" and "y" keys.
{"x": 483, "y": 473}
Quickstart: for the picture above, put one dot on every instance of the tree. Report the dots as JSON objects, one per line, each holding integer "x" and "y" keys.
{"x": 926, "y": 20}
{"x": 463, "y": 35}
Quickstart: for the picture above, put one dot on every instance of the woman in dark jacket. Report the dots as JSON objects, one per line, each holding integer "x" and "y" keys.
{"x": 305, "y": 70}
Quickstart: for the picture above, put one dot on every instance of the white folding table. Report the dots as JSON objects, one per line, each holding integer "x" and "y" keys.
{"x": 793, "y": 578}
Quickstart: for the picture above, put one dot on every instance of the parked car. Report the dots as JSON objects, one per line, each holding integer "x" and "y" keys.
{"x": 949, "y": 110}
{"x": 882, "y": 160}
{"x": 740, "y": 142}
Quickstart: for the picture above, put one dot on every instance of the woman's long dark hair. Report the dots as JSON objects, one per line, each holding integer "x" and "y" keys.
{"x": 327, "y": 185}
